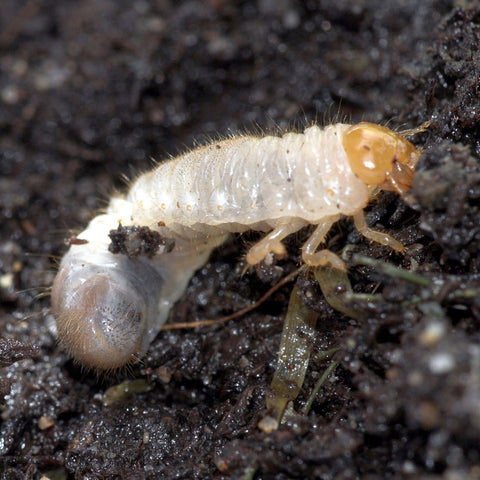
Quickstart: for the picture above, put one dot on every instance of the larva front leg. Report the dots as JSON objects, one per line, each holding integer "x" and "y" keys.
{"x": 376, "y": 236}
{"x": 324, "y": 257}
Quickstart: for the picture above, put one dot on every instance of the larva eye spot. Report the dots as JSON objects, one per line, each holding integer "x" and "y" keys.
{"x": 99, "y": 325}
{"x": 379, "y": 156}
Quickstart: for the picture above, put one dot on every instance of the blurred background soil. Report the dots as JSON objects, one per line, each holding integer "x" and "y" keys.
{"x": 91, "y": 91}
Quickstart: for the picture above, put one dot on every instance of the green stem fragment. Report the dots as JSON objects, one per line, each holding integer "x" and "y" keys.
{"x": 391, "y": 270}
{"x": 124, "y": 390}
{"x": 337, "y": 290}
{"x": 295, "y": 346}
{"x": 319, "y": 384}
{"x": 249, "y": 473}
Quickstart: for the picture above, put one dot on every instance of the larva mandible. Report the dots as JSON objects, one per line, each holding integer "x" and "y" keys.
{"x": 110, "y": 307}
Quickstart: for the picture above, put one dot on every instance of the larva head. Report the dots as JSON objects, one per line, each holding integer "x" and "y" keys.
{"x": 379, "y": 156}
{"x": 99, "y": 320}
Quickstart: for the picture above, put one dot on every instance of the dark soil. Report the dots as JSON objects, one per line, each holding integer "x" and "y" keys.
{"x": 91, "y": 90}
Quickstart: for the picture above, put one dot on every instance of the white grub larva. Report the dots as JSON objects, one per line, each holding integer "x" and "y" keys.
{"x": 109, "y": 307}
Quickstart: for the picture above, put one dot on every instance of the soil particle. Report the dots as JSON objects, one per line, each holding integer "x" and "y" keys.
{"x": 447, "y": 189}
{"x": 12, "y": 351}
{"x": 134, "y": 241}
{"x": 450, "y": 78}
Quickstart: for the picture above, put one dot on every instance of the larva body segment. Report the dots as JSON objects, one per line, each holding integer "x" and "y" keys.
{"x": 110, "y": 307}
{"x": 252, "y": 181}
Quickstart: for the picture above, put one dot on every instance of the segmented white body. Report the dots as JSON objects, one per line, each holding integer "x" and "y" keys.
{"x": 241, "y": 183}
{"x": 250, "y": 181}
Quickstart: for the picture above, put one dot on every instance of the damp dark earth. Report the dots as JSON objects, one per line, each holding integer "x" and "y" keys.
{"x": 94, "y": 92}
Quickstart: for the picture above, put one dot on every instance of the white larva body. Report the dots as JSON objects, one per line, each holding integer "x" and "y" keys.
{"x": 251, "y": 181}
{"x": 110, "y": 307}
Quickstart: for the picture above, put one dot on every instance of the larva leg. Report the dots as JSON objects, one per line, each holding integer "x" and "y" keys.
{"x": 323, "y": 257}
{"x": 273, "y": 242}
{"x": 379, "y": 237}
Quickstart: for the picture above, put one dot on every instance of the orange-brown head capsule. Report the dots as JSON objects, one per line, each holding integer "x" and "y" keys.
{"x": 379, "y": 156}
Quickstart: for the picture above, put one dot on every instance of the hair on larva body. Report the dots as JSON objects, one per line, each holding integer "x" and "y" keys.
{"x": 109, "y": 307}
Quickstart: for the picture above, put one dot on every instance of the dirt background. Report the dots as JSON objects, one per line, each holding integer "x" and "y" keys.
{"x": 90, "y": 91}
